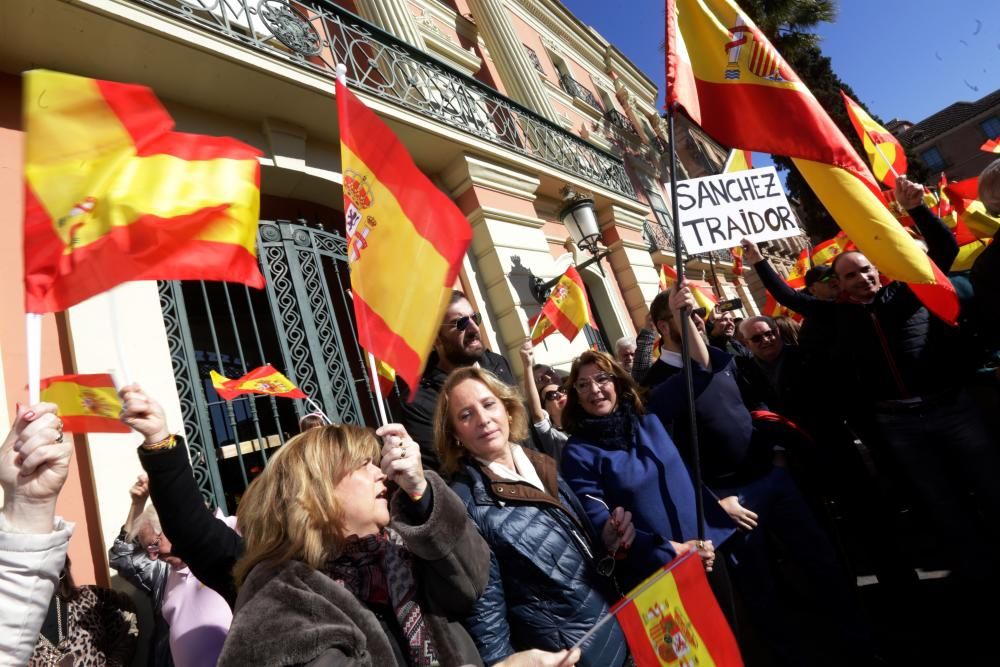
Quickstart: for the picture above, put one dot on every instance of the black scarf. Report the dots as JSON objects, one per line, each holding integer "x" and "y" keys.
{"x": 614, "y": 431}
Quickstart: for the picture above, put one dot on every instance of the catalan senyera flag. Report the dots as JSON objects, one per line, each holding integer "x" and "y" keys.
{"x": 264, "y": 380}
{"x": 567, "y": 307}
{"x": 113, "y": 194}
{"x": 672, "y": 619}
{"x": 87, "y": 403}
{"x": 395, "y": 214}
{"x": 738, "y": 160}
{"x": 729, "y": 79}
{"x": 991, "y": 146}
{"x": 885, "y": 153}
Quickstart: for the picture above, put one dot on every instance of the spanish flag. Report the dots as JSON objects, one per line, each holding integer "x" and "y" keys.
{"x": 113, "y": 194}
{"x": 87, "y": 403}
{"x": 541, "y": 328}
{"x": 567, "y": 307}
{"x": 668, "y": 276}
{"x": 824, "y": 253}
{"x": 733, "y": 83}
{"x": 386, "y": 375}
{"x": 264, "y": 380}
{"x": 405, "y": 238}
{"x": 885, "y": 153}
{"x": 991, "y": 146}
{"x": 672, "y": 619}
{"x": 700, "y": 290}
{"x": 738, "y": 161}
{"x": 968, "y": 210}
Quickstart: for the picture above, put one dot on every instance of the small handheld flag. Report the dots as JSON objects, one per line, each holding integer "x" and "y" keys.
{"x": 264, "y": 380}
{"x": 87, "y": 403}
{"x": 567, "y": 308}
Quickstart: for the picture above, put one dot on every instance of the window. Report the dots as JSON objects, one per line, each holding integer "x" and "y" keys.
{"x": 932, "y": 158}
{"x": 533, "y": 57}
{"x": 991, "y": 127}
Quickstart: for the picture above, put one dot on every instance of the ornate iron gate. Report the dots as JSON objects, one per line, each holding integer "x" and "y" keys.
{"x": 301, "y": 323}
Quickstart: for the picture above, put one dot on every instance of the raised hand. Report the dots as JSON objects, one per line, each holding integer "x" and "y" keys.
{"x": 34, "y": 464}
{"x": 909, "y": 195}
{"x": 401, "y": 460}
{"x": 751, "y": 253}
{"x": 143, "y": 414}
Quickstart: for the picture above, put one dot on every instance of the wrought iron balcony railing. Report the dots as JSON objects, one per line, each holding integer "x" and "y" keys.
{"x": 318, "y": 35}
{"x": 660, "y": 237}
{"x": 620, "y": 120}
{"x": 533, "y": 57}
{"x": 576, "y": 89}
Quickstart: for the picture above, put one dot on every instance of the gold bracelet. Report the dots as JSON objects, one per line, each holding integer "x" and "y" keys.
{"x": 167, "y": 443}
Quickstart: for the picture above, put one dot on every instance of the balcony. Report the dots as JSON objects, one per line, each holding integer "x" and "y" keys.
{"x": 574, "y": 88}
{"x": 621, "y": 121}
{"x": 318, "y": 35}
{"x": 661, "y": 238}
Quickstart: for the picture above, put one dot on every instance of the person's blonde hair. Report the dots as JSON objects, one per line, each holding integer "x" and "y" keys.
{"x": 290, "y": 511}
{"x": 446, "y": 442}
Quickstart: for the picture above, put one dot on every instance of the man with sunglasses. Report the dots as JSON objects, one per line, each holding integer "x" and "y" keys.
{"x": 459, "y": 343}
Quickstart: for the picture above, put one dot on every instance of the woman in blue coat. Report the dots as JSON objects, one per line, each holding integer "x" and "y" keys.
{"x": 620, "y": 454}
{"x": 549, "y": 580}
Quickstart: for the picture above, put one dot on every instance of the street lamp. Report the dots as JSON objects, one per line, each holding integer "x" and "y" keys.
{"x": 580, "y": 218}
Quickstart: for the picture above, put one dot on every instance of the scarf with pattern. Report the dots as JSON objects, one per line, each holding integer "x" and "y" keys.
{"x": 377, "y": 569}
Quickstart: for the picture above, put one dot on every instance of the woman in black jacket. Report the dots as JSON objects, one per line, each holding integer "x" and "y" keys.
{"x": 549, "y": 579}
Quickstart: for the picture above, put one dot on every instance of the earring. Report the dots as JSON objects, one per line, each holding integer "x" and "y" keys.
{"x": 458, "y": 443}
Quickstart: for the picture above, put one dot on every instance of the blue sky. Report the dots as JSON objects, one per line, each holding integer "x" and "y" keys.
{"x": 904, "y": 58}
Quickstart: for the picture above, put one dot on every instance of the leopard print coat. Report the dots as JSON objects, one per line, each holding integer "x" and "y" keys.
{"x": 103, "y": 632}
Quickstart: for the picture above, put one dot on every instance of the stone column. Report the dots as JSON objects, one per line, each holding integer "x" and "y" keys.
{"x": 630, "y": 260}
{"x": 394, "y": 17}
{"x": 519, "y": 76}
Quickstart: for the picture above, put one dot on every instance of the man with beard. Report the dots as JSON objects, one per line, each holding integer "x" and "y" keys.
{"x": 459, "y": 343}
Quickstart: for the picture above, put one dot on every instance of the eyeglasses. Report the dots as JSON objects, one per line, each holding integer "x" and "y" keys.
{"x": 602, "y": 380}
{"x": 553, "y": 395}
{"x": 759, "y": 338}
{"x": 462, "y": 323}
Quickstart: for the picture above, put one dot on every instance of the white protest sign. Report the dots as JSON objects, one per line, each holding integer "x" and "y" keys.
{"x": 718, "y": 211}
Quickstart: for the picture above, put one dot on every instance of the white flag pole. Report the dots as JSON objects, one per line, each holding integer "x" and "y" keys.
{"x": 317, "y": 409}
{"x": 33, "y": 336}
{"x": 378, "y": 392}
{"x": 116, "y": 335}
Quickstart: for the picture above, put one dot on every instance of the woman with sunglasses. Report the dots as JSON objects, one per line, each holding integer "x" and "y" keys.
{"x": 545, "y": 407}
{"x": 549, "y": 577}
{"x": 619, "y": 454}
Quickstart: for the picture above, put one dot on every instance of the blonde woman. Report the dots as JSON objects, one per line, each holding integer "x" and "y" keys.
{"x": 549, "y": 579}
{"x": 339, "y": 570}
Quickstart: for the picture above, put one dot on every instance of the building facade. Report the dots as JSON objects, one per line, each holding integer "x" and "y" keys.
{"x": 501, "y": 104}
{"x": 948, "y": 141}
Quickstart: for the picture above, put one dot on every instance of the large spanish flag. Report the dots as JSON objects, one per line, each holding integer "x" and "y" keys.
{"x": 263, "y": 380}
{"x": 732, "y": 82}
{"x": 113, "y": 194}
{"x": 87, "y": 403}
{"x": 672, "y": 619}
{"x": 406, "y": 240}
{"x": 885, "y": 153}
{"x": 567, "y": 307}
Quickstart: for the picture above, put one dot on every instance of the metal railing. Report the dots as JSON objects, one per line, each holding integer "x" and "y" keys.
{"x": 317, "y": 35}
{"x": 576, "y": 89}
{"x": 621, "y": 121}
{"x": 533, "y": 57}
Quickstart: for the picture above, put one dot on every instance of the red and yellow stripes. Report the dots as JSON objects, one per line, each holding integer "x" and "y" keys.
{"x": 567, "y": 308}
{"x": 406, "y": 241}
{"x": 885, "y": 153}
{"x": 113, "y": 194}
{"x": 87, "y": 403}
{"x": 708, "y": 74}
{"x": 262, "y": 380}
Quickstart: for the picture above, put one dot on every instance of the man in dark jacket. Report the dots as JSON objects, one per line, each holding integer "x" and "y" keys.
{"x": 459, "y": 343}
{"x": 899, "y": 370}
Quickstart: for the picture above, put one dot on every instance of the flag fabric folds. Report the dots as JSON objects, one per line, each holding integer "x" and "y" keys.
{"x": 991, "y": 146}
{"x": 567, "y": 308}
{"x": 725, "y": 74}
{"x": 113, "y": 194}
{"x": 87, "y": 403}
{"x": 738, "y": 161}
{"x": 541, "y": 328}
{"x": 700, "y": 290}
{"x": 885, "y": 153}
{"x": 386, "y": 375}
{"x": 406, "y": 240}
{"x": 667, "y": 276}
{"x": 264, "y": 380}
{"x": 672, "y": 619}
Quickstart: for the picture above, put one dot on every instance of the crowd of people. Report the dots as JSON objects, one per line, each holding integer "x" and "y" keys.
{"x": 497, "y": 524}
